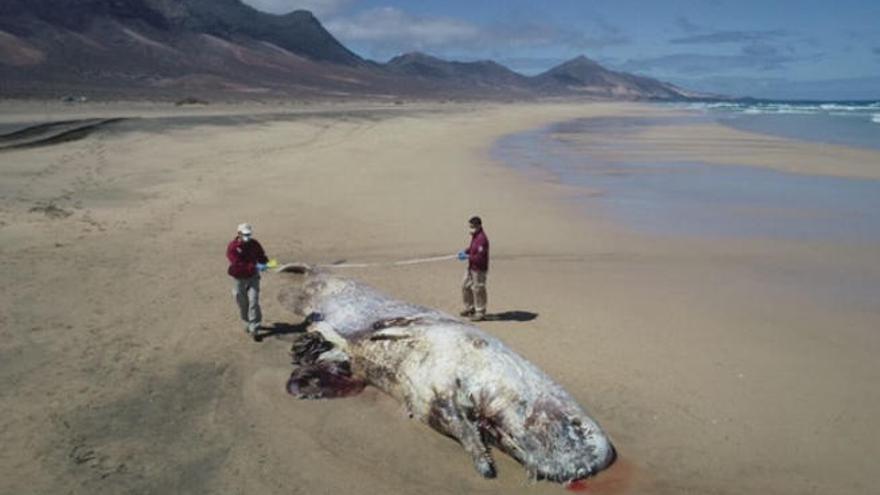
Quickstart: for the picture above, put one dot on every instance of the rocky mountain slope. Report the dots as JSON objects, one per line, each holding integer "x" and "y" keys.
{"x": 127, "y": 48}
{"x": 486, "y": 73}
{"x": 582, "y": 75}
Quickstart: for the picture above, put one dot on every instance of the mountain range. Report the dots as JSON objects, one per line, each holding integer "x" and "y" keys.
{"x": 125, "y": 48}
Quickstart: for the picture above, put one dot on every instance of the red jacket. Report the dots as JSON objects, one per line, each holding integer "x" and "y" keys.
{"x": 243, "y": 257}
{"x": 478, "y": 252}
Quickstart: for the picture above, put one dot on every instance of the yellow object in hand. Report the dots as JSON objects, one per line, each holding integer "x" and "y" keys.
{"x": 272, "y": 263}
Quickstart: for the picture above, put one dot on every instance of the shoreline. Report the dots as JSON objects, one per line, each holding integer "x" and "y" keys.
{"x": 647, "y": 186}
{"x": 128, "y": 372}
{"x": 782, "y": 134}
{"x": 690, "y": 136}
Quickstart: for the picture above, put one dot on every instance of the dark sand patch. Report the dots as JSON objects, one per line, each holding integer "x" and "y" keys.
{"x": 155, "y": 439}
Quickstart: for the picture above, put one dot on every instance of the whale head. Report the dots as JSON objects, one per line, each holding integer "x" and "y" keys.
{"x": 558, "y": 444}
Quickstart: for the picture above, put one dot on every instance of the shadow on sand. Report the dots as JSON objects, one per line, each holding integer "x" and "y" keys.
{"x": 512, "y": 316}
{"x": 280, "y": 329}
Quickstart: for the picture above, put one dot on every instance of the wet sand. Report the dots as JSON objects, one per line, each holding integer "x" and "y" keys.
{"x": 663, "y": 188}
{"x": 717, "y": 366}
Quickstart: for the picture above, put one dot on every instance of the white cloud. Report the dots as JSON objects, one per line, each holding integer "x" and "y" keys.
{"x": 387, "y": 31}
{"x": 391, "y": 26}
{"x": 317, "y": 7}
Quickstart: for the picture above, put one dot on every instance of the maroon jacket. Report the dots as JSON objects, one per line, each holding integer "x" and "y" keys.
{"x": 478, "y": 252}
{"x": 243, "y": 257}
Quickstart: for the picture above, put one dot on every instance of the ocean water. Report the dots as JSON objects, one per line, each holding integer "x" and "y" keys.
{"x": 848, "y": 123}
{"x": 691, "y": 198}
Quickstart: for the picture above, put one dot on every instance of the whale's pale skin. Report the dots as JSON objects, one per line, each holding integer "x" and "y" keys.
{"x": 447, "y": 373}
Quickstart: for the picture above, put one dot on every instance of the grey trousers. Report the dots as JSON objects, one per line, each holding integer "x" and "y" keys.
{"x": 246, "y": 292}
{"x": 473, "y": 291}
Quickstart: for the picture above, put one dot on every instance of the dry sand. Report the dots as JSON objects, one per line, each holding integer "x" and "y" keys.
{"x": 743, "y": 366}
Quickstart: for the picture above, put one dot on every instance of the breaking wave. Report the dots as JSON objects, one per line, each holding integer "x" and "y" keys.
{"x": 839, "y": 109}
{"x": 848, "y": 123}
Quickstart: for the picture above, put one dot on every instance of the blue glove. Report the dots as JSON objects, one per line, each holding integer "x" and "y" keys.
{"x": 261, "y": 267}
{"x": 462, "y": 256}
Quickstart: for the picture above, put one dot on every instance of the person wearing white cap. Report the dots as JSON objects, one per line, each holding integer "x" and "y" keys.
{"x": 246, "y": 260}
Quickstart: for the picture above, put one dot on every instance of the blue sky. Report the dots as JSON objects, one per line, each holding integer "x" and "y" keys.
{"x": 827, "y": 49}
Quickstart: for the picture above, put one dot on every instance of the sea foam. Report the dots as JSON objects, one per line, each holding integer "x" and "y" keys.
{"x": 849, "y": 123}
{"x": 841, "y": 109}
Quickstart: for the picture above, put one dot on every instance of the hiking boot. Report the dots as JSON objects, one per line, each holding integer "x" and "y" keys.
{"x": 478, "y": 317}
{"x": 467, "y": 312}
{"x": 252, "y": 330}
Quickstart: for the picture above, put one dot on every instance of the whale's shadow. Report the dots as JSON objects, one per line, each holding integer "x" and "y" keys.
{"x": 281, "y": 330}
{"x": 511, "y": 316}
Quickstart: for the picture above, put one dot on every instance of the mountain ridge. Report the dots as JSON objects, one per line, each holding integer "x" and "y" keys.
{"x": 584, "y": 74}
{"x": 299, "y": 31}
{"x": 167, "y": 47}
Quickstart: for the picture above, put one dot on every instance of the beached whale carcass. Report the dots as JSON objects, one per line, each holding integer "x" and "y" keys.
{"x": 446, "y": 372}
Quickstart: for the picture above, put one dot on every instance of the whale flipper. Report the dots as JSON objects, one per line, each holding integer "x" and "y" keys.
{"x": 448, "y": 418}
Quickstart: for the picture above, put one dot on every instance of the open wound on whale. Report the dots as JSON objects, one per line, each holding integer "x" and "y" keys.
{"x": 323, "y": 372}
{"x": 446, "y": 372}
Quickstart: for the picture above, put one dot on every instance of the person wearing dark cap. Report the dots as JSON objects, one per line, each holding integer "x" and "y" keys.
{"x": 246, "y": 260}
{"x": 473, "y": 288}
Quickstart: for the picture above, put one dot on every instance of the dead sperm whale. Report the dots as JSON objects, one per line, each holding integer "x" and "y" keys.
{"x": 447, "y": 373}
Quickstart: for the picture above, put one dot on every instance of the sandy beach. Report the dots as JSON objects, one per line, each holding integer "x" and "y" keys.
{"x": 716, "y": 365}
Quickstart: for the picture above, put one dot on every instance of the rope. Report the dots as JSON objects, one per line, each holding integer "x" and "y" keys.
{"x": 415, "y": 261}
{"x": 576, "y": 258}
